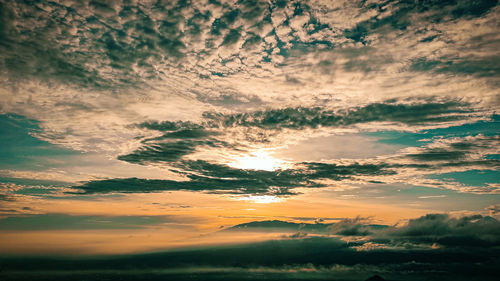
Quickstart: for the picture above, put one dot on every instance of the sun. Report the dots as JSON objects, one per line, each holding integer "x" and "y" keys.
{"x": 258, "y": 160}
{"x": 260, "y": 199}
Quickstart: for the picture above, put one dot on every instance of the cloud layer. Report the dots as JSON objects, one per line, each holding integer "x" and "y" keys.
{"x": 428, "y": 247}
{"x": 193, "y": 88}
{"x": 108, "y": 64}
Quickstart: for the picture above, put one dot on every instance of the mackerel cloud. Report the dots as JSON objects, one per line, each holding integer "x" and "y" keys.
{"x": 187, "y": 85}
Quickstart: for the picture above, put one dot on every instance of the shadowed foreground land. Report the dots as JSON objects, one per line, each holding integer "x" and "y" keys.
{"x": 300, "y": 259}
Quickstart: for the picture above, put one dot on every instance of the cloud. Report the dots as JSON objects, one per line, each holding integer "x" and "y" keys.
{"x": 454, "y": 150}
{"x": 182, "y": 138}
{"x": 398, "y": 15}
{"x": 180, "y": 142}
{"x": 165, "y": 84}
{"x": 161, "y": 152}
{"x": 6, "y": 197}
{"x": 354, "y": 227}
{"x": 345, "y": 227}
{"x": 176, "y": 143}
{"x": 177, "y": 139}
{"x": 300, "y": 118}
{"x": 494, "y": 209}
{"x": 63, "y": 221}
{"x": 413, "y": 165}
{"x": 169, "y": 94}
{"x": 423, "y": 165}
{"x": 446, "y": 231}
{"x": 280, "y": 226}
{"x": 431, "y": 230}
{"x": 115, "y": 38}
{"x": 204, "y": 176}
{"x": 121, "y": 63}
{"x": 483, "y": 67}
{"x": 312, "y": 257}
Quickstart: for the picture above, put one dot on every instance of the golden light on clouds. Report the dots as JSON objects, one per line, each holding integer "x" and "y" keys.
{"x": 333, "y": 138}
{"x": 259, "y": 160}
{"x": 261, "y": 199}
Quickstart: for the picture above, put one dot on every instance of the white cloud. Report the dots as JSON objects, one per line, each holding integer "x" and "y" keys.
{"x": 126, "y": 66}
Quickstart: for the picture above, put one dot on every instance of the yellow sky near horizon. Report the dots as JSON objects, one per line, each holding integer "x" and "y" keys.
{"x": 192, "y": 219}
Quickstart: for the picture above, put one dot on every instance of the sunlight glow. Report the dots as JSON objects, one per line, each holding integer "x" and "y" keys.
{"x": 259, "y": 160}
{"x": 260, "y": 199}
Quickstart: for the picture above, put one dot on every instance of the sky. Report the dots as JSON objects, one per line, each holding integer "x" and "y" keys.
{"x": 222, "y": 140}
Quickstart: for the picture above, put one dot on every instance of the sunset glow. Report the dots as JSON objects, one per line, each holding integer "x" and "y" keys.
{"x": 263, "y": 199}
{"x": 279, "y": 140}
{"x": 259, "y": 160}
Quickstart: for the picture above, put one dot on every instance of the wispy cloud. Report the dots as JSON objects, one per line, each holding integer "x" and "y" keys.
{"x": 68, "y": 222}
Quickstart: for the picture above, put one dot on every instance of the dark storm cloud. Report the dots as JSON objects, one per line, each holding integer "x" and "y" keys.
{"x": 204, "y": 176}
{"x": 171, "y": 147}
{"x": 135, "y": 185}
{"x": 310, "y": 171}
{"x": 432, "y": 229}
{"x": 279, "y": 226}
